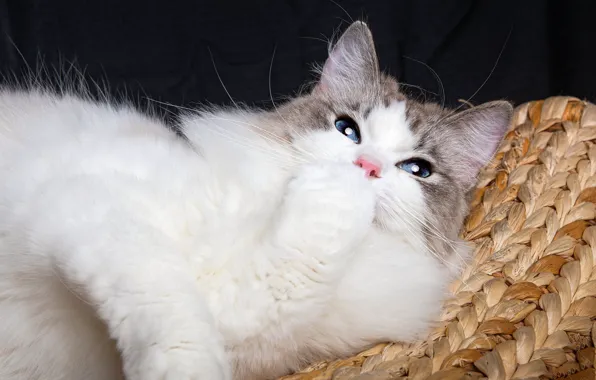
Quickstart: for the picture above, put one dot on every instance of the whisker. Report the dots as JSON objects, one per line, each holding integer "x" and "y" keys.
{"x": 316, "y": 39}
{"x": 437, "y": 78}
{"x": 423, "y": 222}
{"x": 271, "y": 92}
{"x": 219, "y": 77}
{"x": 433, "y": 231}
{"x": 410, "y": 228}
{"x": 491, "y": 71}
{"x": 294, "y": 130}
{"x": 343, "y": 9}
{"x": 171, "y": 105}
{"x": 20, "y": 53}
{"x": 287, "y": 124}
{"x": 467, "y": 101}
{"x": 423, "y": 91}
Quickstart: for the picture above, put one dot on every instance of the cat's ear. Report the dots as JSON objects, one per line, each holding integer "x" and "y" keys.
{"x": 352, "y": 64}
{"x": 474, "y": 136}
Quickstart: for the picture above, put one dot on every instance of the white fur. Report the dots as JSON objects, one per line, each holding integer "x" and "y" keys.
{"x": 229, "y": 256}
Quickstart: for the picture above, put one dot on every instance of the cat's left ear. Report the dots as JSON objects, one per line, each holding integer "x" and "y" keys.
{"x": 473, "y": 137}
{"x": 352, "y": 65}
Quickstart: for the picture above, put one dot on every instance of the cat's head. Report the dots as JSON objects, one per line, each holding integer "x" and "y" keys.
{"x": 422, "y": 159}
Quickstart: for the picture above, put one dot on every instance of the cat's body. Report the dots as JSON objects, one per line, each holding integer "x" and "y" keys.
{"x": 249, "y": 247}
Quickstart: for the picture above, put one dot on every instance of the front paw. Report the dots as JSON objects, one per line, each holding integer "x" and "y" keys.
{"x": 177, "y": 363}
{"x": 330, "y": 206}
{"x": 340, "y": 186}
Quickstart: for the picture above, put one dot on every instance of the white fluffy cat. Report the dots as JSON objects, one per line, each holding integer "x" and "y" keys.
{"x": 253, "y": 244}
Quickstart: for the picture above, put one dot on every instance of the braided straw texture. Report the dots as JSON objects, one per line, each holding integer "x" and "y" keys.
{"x": 526, "y": 306}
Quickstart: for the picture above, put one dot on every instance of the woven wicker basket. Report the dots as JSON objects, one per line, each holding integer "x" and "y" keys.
{"x": 526, "y": 306}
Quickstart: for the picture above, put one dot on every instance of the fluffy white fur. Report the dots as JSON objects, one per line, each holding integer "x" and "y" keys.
{"x": 129, "y": 252}
{"x": 181, "y": 249}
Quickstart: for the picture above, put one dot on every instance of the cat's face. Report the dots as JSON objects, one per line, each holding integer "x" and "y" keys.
{"x": 421, "y": 159}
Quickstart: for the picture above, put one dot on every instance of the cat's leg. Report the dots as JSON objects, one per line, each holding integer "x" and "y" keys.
{"x": 327, "y": 211}
{"x": 148, "y": 298}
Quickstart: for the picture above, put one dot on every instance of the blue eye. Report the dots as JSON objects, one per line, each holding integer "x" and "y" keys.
{"x": 416, "y": 166}
{"x": 348, "y": 127}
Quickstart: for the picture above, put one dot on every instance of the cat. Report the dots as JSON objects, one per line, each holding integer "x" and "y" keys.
{"x": 247, "y": 246}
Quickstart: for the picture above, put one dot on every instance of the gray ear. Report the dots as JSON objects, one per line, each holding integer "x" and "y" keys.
{"x": 473, "y": 136}
{"x": 352, "y": 64}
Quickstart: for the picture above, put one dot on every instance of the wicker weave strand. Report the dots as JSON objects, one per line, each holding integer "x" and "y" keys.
{"x": 526, "y": 306}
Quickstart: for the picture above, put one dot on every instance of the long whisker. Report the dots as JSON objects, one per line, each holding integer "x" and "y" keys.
{"x": 219, "y": 78}
{"x": 467, "y": 101}
{"x": 171, "y": 105}
{"x": 316, "y": 39}
{"x": 491, "y": 71}
{"x": 391, "y": 213}
{"x": 343, "y": 9}
{"x": 410, "y": 228}
{"x": 439, "y": 256}
{"x": 422, "y": 221}
{"x": 433, "y": 231}
{"x": 434, "y": 73}
{"x": 20, "y": 53}
{"x": 294, "y": 130}
{"x": 419, "y": 88}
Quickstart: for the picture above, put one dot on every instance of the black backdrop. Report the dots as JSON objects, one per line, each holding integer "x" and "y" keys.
{"x": 167, "y": 50}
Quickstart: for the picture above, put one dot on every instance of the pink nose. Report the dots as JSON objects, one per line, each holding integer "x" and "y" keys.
{"x": 371, "y": 167}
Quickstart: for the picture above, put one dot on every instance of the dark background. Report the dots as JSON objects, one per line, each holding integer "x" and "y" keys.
{"x": 168, "y": 50}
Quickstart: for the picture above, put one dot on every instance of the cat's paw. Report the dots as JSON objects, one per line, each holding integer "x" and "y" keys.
{"x": 338, "y": 188}
{"x": 329, "y": 205}
{"x": 178, "y": 363}
{"x": 345, "y": 187}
